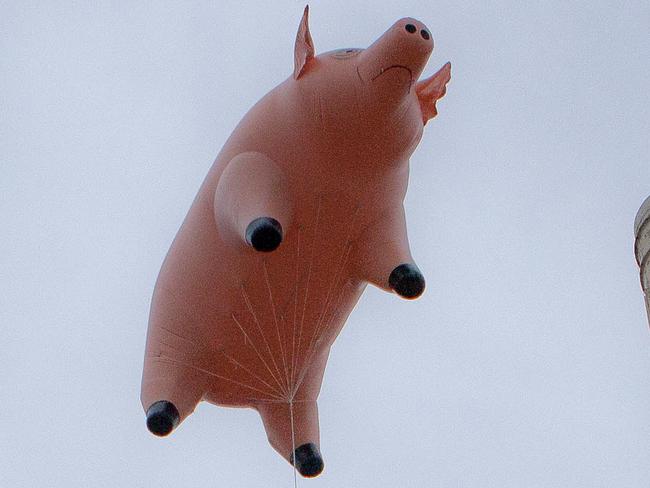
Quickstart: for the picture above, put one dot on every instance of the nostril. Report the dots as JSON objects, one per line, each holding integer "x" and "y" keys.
{"x": 425, "y": 34}
{"x": 410, "y": 28}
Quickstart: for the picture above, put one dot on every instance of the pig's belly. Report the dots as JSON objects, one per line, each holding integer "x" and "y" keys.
{"x": 254, "y": 326}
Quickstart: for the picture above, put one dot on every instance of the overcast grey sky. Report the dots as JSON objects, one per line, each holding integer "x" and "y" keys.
{"x": 525, "y": 364}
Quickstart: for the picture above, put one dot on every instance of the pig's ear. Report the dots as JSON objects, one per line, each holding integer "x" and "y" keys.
{"x": 431, "y": 89}
{"x": 304, "y": 49}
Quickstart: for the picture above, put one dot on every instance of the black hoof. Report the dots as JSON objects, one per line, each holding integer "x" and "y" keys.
{"x": 162, "y": 418}
{"x": 307, "y": 460}
{"x": 264, "y": 234}
{"x": 407, "y": 281}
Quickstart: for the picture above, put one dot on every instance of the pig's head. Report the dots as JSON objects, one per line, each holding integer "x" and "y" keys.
{"x": 371, "y": 94}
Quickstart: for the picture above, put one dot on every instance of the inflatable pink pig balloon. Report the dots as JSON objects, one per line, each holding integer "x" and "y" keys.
{"x": 301, "y": 209}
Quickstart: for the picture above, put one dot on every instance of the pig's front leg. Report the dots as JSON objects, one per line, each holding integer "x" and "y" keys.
{"x": 251, "y": 203}
{"x": 384, "y": 258}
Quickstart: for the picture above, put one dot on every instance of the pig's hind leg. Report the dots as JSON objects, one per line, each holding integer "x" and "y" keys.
{"x": 292, "y": 430}
{"x": 171, "y": 390}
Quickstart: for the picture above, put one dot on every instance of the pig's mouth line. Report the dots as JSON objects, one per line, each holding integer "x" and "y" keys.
{"x": 359, "y": 75}
{"x": 393, "y": 66}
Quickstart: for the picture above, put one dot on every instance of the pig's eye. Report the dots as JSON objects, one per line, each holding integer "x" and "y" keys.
{"x": 410, "y": 28}
{"x": 346, "y": 53}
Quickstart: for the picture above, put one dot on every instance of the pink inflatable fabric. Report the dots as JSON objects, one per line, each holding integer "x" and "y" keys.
{"x": 301, "y": 209}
